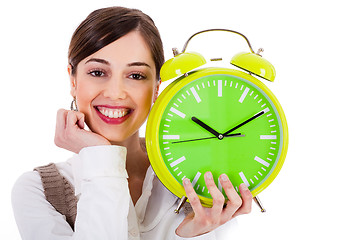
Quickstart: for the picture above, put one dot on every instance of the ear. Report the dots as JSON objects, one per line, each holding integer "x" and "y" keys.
{"x": 72, "y": 81}
{"x": 156, "y": 92}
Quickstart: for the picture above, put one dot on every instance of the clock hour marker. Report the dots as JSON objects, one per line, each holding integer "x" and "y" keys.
{"x": 219, "y": 88}
{"x": 263, "y": 137}
{"x": 266, "y": 110}
{"x": 263, "y": 162}
{"x": 177, "y": 112}
{"x": 243, "y": 178}
{"x": 176, "y": 162}
{"x": 171, "y": 136}
{"x": 243, "y": 95}
{"x": 196, "y": 95}
{"x": 196, "y": 178}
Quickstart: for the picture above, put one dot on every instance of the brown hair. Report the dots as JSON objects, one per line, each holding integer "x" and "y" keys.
{"x": 106, "y": 25}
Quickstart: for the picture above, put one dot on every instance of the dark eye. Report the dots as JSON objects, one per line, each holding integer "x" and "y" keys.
{"x": 97, "y": 73}
{"x": 137, "y": 76}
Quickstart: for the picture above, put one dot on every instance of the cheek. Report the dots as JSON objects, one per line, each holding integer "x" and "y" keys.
{"x": 85, "y": 94}
{"x": 145, "y": 99}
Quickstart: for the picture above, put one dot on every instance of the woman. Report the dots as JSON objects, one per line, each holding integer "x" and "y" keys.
{"x": 115, "y": 57}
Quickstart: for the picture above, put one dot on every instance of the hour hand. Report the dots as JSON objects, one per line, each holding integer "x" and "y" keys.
{"x": 207, "y": 127}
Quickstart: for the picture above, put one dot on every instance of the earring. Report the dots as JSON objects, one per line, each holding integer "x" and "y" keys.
{"x": 73, "y": 103}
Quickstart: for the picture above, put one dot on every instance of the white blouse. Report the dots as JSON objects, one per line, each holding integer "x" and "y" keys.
{"x": 105, "y": 209}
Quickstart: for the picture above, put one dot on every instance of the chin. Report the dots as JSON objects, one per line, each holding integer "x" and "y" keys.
{"x": 121, "y": 138}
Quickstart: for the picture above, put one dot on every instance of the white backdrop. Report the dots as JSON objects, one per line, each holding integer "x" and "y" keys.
{"x": 313, "y": 46}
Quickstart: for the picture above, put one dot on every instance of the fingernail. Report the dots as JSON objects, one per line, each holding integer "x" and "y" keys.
{"x": 208, "y": 175}
{"x": 243, "y": 186}
{"x": 186, "y": 181}
{"x": 224, "y": 177}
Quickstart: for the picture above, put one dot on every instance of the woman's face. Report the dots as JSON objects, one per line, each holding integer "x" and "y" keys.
{"x": 116, "y": 86}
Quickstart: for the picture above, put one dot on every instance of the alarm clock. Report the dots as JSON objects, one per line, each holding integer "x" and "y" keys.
{"x": 217, "y": 119}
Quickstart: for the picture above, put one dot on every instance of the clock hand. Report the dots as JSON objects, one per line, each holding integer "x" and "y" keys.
{"x": 207, "y": 127}
{"x": 243, "y": 123}
{"x": 199, "y": 139}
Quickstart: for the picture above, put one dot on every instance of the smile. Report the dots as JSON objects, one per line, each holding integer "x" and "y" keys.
{"x": 113, "y": 115}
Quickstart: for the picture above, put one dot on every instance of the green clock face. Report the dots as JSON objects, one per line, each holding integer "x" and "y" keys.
{"x": 223, "y": 124}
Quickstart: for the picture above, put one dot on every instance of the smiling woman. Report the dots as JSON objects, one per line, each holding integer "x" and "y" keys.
{"x": 108, "y": 189}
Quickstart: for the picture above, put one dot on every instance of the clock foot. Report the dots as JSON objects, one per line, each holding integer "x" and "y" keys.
{"x": 181, "y": 203}
{"x": 258, "y": 202}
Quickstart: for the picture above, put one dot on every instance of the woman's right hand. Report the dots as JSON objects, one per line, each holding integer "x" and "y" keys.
{"x": 70, "y": 133}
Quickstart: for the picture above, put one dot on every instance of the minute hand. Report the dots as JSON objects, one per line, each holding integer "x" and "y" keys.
{"x": 245, "y": 122}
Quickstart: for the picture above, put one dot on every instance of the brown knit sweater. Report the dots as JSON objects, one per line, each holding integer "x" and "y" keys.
{"x": 58, "y": 192}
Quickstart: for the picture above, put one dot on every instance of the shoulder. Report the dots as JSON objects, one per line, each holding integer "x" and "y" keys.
{"x": 27, "y": 182}
{"x": 27, "y": 193}
{"x": 30, "y": 187}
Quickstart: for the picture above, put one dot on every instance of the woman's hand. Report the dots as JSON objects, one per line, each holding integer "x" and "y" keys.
{"x": 70, "y": 133}
{"x": 202, "y": 219}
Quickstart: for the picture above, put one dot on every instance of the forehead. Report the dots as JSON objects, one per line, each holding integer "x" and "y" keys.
{"x": 127, "y": 49}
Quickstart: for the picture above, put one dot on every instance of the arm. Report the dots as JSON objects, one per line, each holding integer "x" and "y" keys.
{"x": 100, "y": 178}
{"x": 102, "y": 208}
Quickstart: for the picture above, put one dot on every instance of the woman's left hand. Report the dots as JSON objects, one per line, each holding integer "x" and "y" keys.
{"x": 202, "y": 219}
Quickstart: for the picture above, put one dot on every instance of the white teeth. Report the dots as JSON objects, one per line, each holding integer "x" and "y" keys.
{"x": 113, "y": 113}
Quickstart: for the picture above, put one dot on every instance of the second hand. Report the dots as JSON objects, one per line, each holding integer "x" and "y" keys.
{"x": 198, "y": 139}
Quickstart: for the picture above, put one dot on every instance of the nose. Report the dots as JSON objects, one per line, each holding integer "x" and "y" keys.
{"x": 115, "y": 88}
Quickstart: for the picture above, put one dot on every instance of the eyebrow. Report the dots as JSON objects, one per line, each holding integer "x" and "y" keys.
{"x": 138, "y": 64}
{"x": 99, "y": 60}
{"x": 103, "y": 61}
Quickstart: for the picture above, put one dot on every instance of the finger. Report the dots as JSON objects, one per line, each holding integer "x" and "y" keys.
{"x": 247, "y": 200}
{"x": 75, "y": 119}
{"x": 60, "y": 127}
{"x": 61, "y": 119}
{"x": 218, "y": 197}
{"x": 193, "y": 197}
{"x": 234, "y": 202}
{"x": 81, "y": 121}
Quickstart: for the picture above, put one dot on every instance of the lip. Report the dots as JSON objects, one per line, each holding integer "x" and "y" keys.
{"x": 113, "y": 121}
